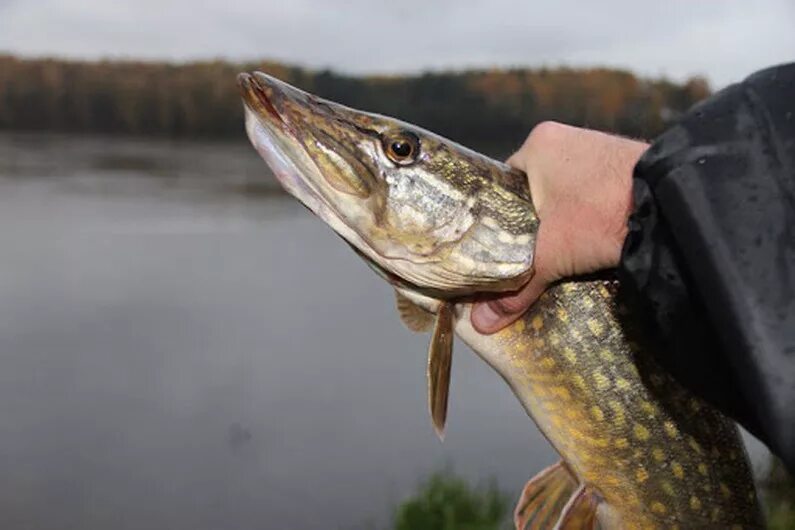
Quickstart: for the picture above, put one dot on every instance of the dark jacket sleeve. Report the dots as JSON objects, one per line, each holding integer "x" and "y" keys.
{"x": 710, "y": 255}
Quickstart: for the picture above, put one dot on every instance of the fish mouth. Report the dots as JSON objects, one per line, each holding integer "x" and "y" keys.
{"x": 308, "y": 142}
{"x": 279, "y": 124}
{"x": 275, "y": 138}
{"x": 260, "y": 95}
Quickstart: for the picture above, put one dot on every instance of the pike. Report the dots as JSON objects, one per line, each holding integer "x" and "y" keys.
{"x": 447, "y": 226}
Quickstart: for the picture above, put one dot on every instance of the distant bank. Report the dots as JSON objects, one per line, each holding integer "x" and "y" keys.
{"x": 199, "y": 99}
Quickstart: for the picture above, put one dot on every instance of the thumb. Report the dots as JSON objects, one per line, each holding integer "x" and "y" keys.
{"x": 491, "y": 316}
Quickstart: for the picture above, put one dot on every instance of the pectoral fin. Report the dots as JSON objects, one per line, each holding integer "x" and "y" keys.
{"x": 580, "y": 511}
{"x": 413, "y": 316}
{"x": 544, "y": 498}
{"x": 440, "y": 357}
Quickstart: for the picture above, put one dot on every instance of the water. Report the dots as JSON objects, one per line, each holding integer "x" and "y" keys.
{"x": 183, "y": 347}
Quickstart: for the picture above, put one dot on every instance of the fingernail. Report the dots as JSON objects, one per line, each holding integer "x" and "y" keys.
{"x": 484, "y": 317}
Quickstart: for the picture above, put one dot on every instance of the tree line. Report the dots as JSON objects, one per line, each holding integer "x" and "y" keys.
{"x": 200, "y": 99}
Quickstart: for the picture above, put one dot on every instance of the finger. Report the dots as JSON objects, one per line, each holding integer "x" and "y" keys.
{"x": 519, "y": 159}
{"x": 519, "y": 302}
{"x": 489, "y": 317}
{"x": 515, "y": 160}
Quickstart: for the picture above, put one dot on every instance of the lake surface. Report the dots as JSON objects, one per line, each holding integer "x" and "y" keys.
{"x": 183, "y": 347}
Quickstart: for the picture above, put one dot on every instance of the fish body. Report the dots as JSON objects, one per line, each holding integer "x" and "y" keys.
{"x": 657, "y": 456}
{"x": 447, "y": 226}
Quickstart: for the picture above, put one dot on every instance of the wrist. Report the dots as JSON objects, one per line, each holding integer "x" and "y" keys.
{"x": 627, "y": 153}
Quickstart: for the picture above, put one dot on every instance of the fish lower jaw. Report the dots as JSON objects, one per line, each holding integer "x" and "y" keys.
{"x": 268, "y": 144}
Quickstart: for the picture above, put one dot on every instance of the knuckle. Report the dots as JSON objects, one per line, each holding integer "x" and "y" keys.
{"x": 541, "y": 135}
{"x": 545, "y": 133}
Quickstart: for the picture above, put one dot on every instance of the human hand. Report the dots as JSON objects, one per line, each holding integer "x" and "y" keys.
{"x": 581, "y": 185}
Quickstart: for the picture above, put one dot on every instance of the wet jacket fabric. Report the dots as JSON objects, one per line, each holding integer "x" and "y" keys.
{"x": 710, "y": 256}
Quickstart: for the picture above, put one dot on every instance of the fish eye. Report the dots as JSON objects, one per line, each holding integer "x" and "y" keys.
{"x": 402, "y": 147}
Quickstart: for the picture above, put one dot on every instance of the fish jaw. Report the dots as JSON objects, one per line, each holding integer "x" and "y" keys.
{"x": 269, "y": 142}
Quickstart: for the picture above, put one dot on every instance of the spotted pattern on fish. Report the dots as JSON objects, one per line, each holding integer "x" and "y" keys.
{"x": 620, "y": 421}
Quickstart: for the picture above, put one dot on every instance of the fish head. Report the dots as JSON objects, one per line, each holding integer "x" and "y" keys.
{"x": 422, "y": 209}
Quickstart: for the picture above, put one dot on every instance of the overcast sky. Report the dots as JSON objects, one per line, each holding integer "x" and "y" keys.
{"x": 723, "y": 40}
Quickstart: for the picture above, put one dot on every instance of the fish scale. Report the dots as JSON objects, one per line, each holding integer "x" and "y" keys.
{"x": 618, "y": 419}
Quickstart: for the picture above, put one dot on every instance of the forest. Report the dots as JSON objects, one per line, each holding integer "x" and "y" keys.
{"x": 200, "y": 99}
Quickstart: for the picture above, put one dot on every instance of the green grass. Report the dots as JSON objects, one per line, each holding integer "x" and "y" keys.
{"x": 447, "y": 502}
